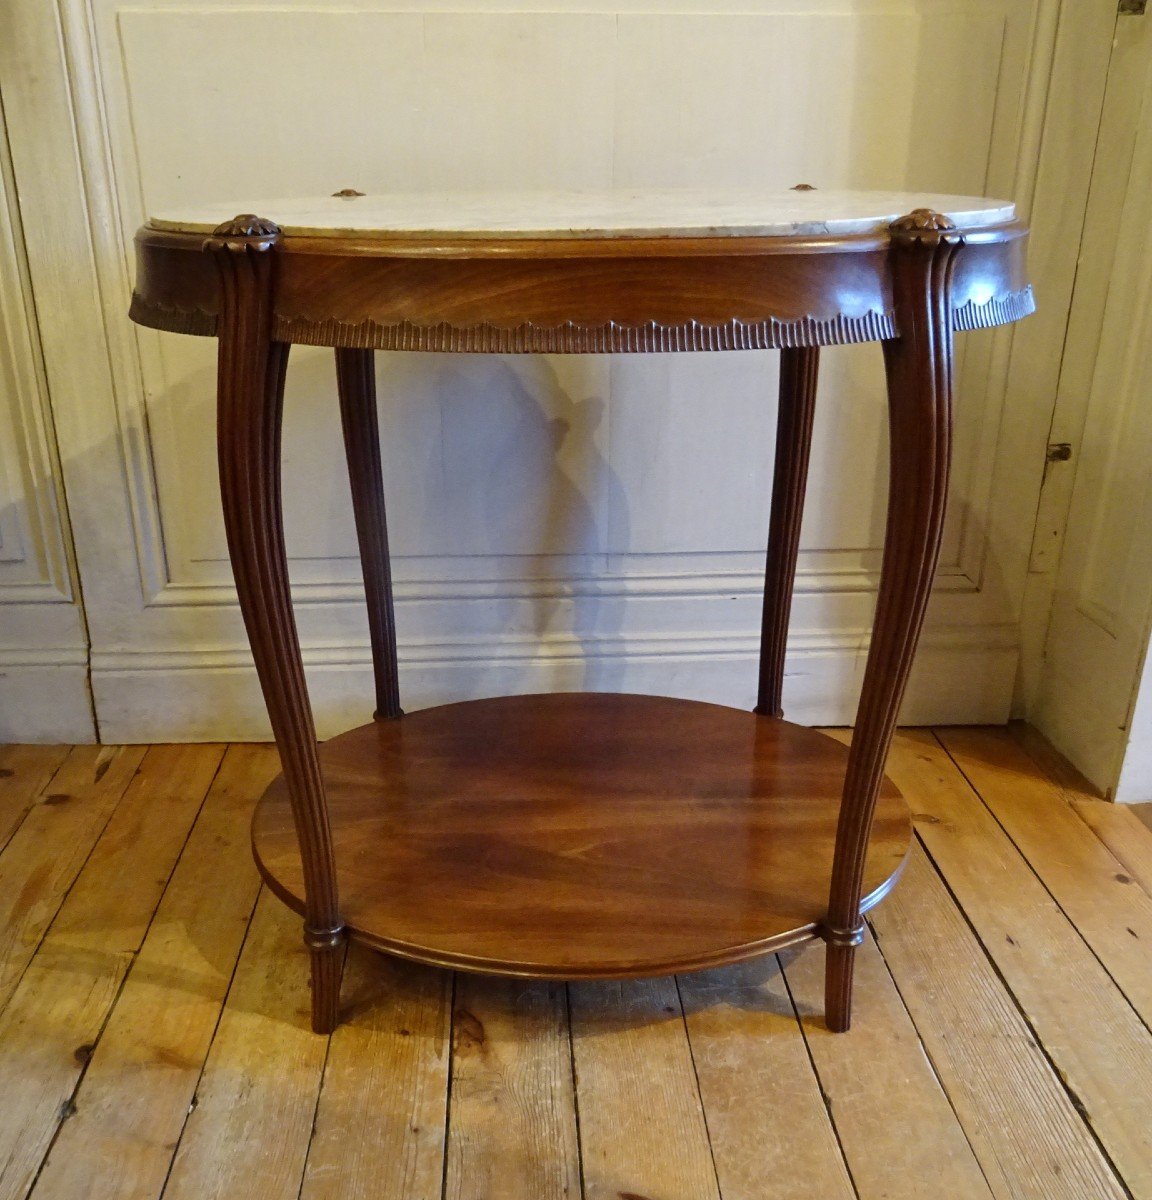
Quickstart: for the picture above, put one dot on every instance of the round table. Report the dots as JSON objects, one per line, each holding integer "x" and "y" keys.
{"x": 582, "y": 835}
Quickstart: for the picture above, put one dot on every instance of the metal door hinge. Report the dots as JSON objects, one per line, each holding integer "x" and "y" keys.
{"x": 1132, "y": 8}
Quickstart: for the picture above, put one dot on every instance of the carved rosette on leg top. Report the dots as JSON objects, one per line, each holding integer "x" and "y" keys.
{"x": 918, "y": 365}
{"x": 250, "y": 397}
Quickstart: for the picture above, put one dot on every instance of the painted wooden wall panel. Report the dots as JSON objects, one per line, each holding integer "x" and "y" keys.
{"x": 43, "y": 646}
{"x": 560, "y": 521}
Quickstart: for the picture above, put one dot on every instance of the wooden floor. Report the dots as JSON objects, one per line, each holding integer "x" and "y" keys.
{"x": 154, "y": 1042}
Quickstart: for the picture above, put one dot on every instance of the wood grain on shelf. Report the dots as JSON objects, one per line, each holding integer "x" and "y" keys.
{"x": 580, "y": 834}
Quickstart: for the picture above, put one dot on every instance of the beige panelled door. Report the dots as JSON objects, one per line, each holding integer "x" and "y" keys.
{"x": 1101, "y": 614}
{"x": 44, "y": 695}
{"x": 556, "y": 522}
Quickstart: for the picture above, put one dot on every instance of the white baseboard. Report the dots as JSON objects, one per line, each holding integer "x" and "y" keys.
{"x": 45, "y": 701}
{"x": 962, "y": 676}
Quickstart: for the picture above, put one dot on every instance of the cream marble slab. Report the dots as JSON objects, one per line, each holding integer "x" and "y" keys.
{"x": 594, "y": 214}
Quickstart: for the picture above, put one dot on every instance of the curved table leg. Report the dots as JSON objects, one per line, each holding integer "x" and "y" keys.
{"x": 799, "y": 370}
{"x": 919, "y": 371}
{"x": 356, "y": 383}
{"x": 250, "y": 394}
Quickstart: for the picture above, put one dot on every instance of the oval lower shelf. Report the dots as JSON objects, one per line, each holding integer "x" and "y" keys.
{"x": 581, "y": 835}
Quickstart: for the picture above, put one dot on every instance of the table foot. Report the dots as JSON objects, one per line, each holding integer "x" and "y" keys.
{"x": 839, "y": 966}
{"x": 327, "y": 948}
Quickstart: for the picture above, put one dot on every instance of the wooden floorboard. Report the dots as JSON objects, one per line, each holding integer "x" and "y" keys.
{"x": 24, "y": 774}
{"x": 1126, "y": 829}
{"x": 643, "y": 1131}
{"x": 247, "y": 1136}
{"x": 380, "y": 1123}
{"x": 1098, "y": 1045}
{"x": 131, "y": 1106}
{"x": 1129, "y": 839}
{"x": 756, "y": 1076}
{"x": 512, "y": 1112}
{"x": 51, "y": 1024}
{"x": 1112, "y": 913}
{"x": 1049, "y": 762}
{"x": 51, "y": 845}
{"x": 154, "y": 1037}
{"x": 879, "y": 1084}
{"x": 1026, "y": 1130}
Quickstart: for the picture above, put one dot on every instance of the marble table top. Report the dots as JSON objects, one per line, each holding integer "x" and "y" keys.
{"x": 639, "y": 213}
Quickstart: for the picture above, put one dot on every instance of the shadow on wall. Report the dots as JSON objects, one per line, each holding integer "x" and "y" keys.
{"x": 499, "y": 495}
{"x": 519, "y": 472}
{"x": 508, "y": 513}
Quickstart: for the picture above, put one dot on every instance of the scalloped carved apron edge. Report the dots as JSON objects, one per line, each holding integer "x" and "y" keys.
{"x": 571, "y": 338}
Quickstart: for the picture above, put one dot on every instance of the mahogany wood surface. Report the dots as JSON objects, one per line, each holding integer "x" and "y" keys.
{"x": 616, "y": 295}
{"x": 573, "y": 836}
{"x": 356, "y": 383}
{"x": 250, "y": 405}
{"x": 799, "y": 372}
{"x": 581, "y": 834}
{"x": 925, "y": 247}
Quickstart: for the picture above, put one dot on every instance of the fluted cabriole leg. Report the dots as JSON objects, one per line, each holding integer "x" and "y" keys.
{"x": 250, "y": 396}
{"x": 356, "y": 383}
{"x": 799, "y": 370}
{"x": 918, "y": 364}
